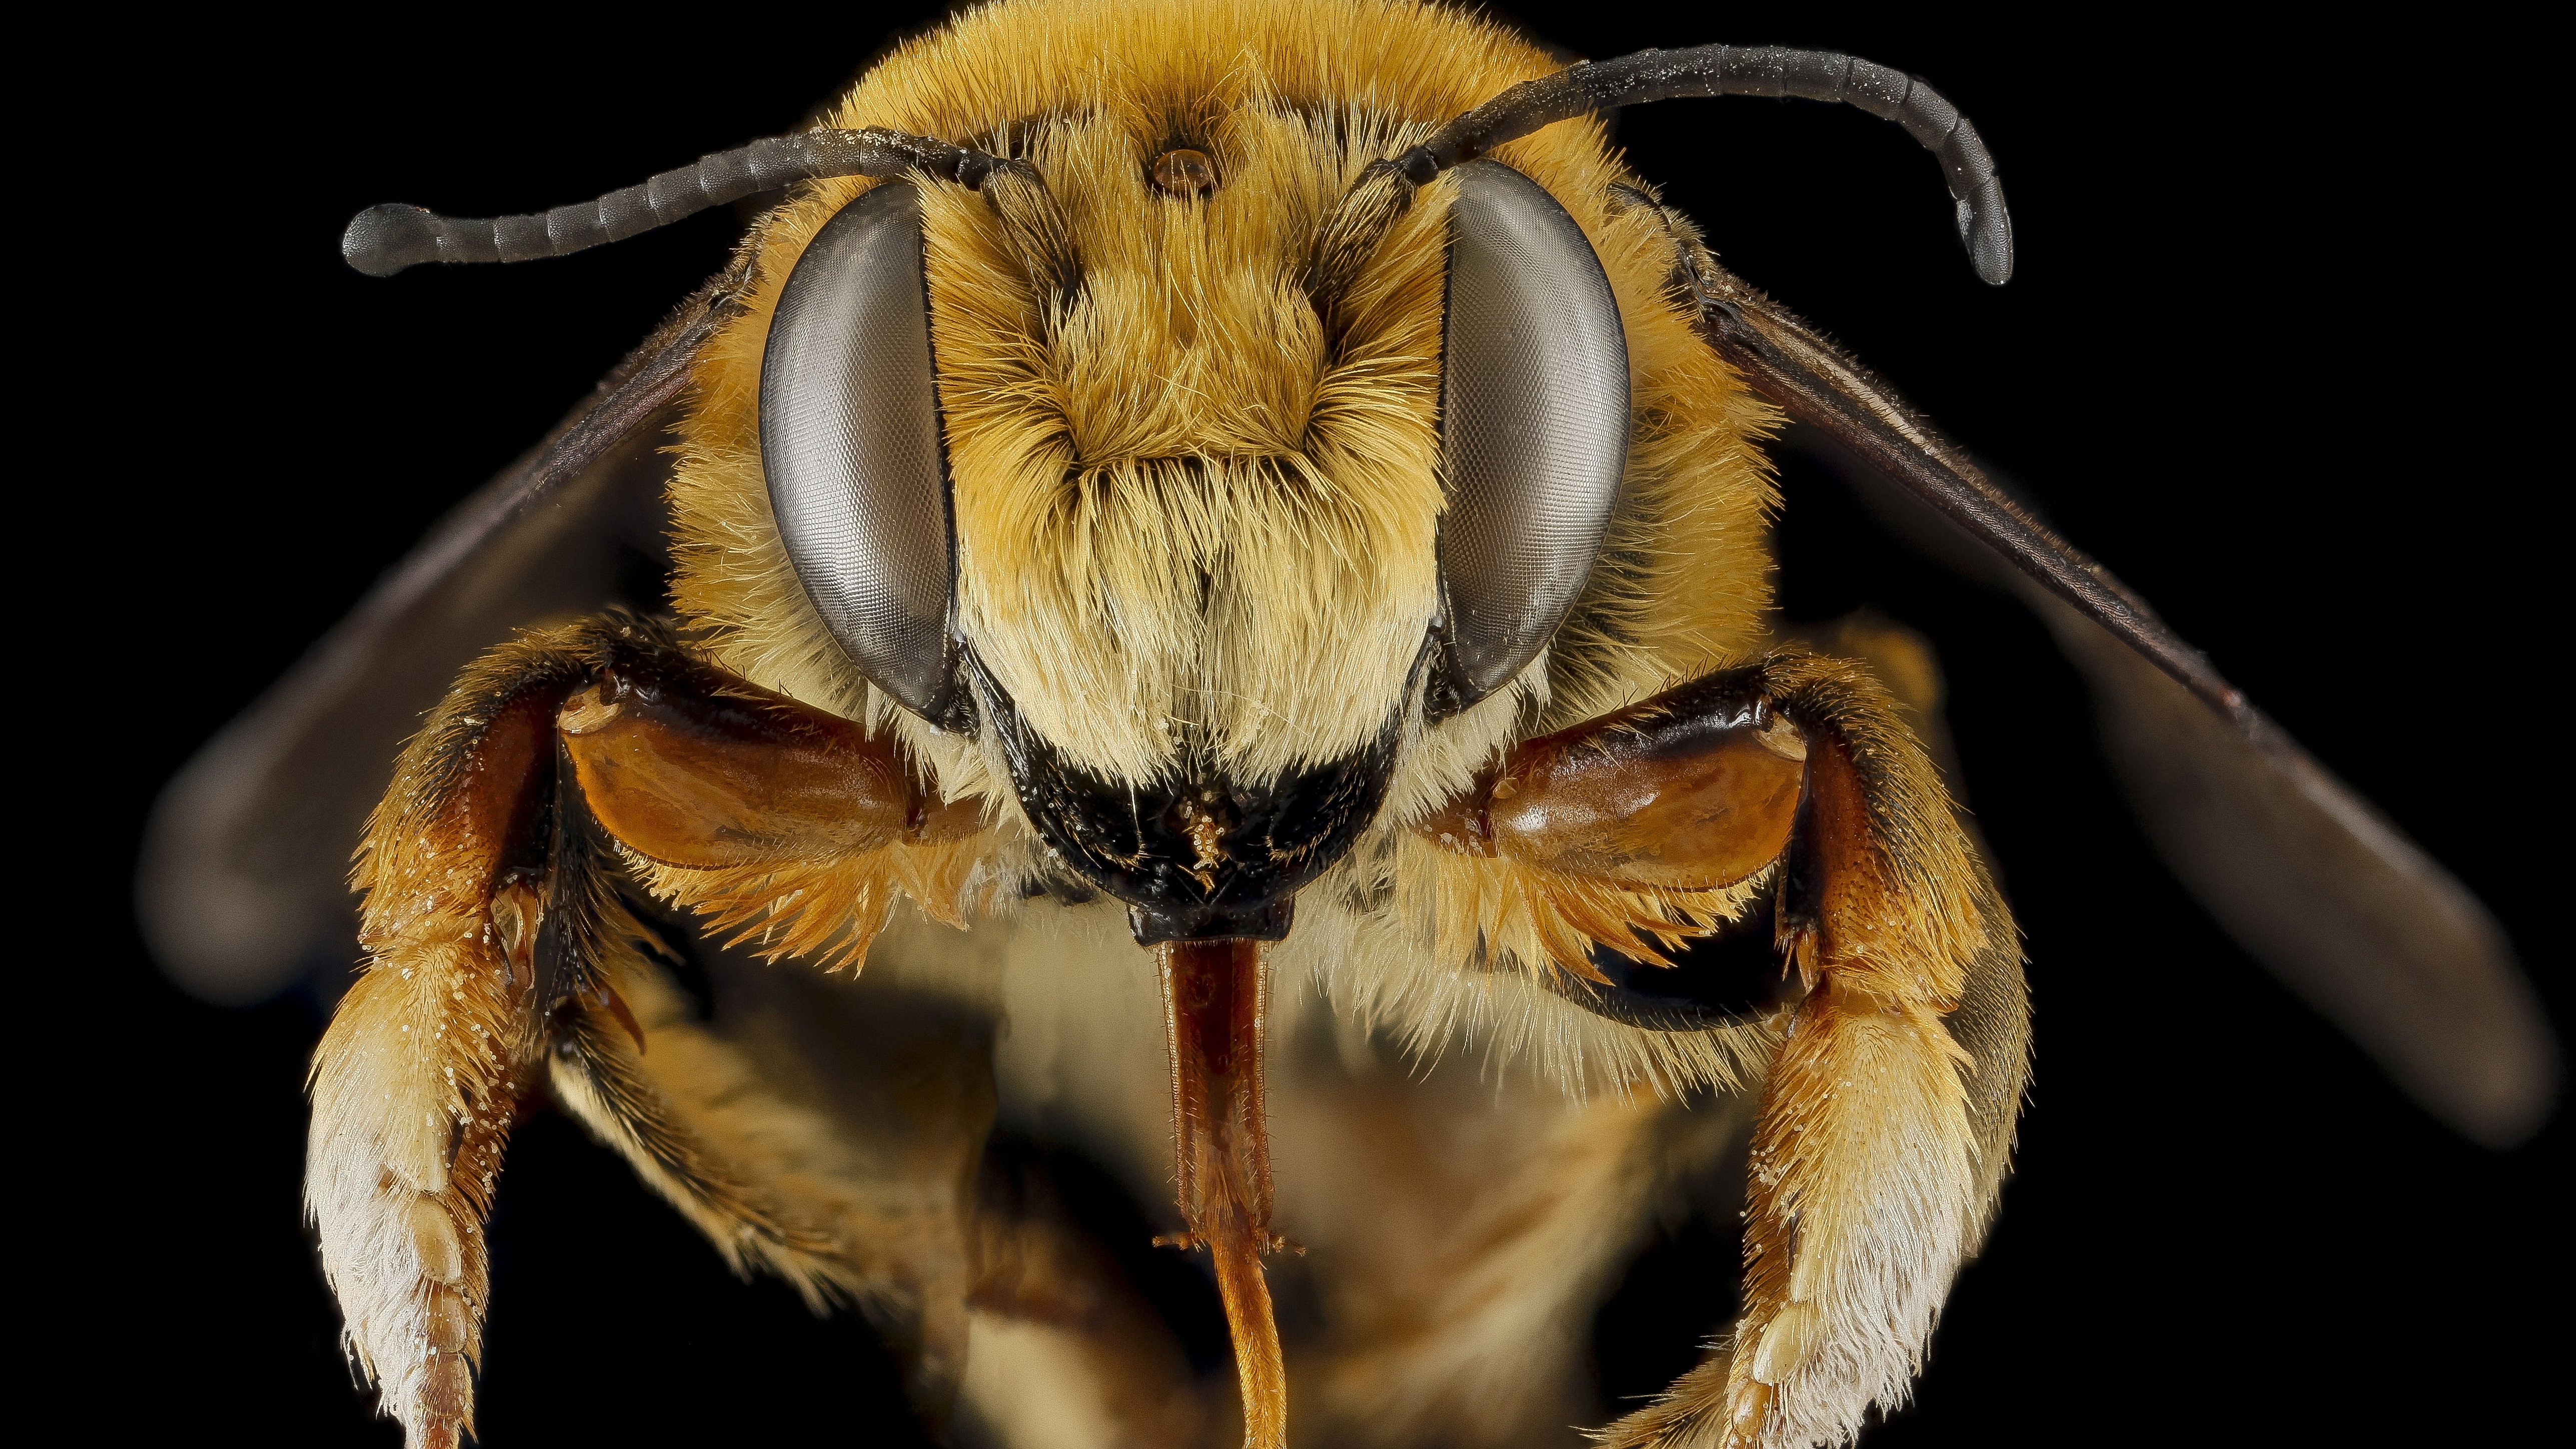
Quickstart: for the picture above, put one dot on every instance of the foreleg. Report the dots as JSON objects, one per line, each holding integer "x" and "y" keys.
{"x": 496, "y": 937}
{"x": 416, "y": 1081}
{"x": 1880, "y": 1140}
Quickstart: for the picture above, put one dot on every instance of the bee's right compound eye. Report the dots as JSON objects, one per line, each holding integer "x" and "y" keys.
{"x": 1533, "y": 428}
{"x": 850, "y": 441}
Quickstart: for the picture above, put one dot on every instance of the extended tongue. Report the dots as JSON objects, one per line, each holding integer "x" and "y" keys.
{"x": 1213, "y": 995}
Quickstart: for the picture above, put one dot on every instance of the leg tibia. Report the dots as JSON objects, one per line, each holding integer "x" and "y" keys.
{"x": 415, "y": 1083}
{"x": 1861, "y": 1204}
{"x": 1871, "y": 1178}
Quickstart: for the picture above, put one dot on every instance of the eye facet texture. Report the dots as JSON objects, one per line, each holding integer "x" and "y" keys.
{"x": 1533, "y": 427}
{"x": 850, "y": 441}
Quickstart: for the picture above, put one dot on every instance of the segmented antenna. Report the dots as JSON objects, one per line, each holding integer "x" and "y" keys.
{"x": 382, "y": 240}
{"x": 1747, "y": 70}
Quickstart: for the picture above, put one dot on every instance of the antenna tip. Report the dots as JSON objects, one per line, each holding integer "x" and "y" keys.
{"x": 382, "y": 240}
{"x": 1985, "y": 225}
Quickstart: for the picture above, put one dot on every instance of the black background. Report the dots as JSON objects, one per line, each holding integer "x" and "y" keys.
{"x": 2246, "y": 360}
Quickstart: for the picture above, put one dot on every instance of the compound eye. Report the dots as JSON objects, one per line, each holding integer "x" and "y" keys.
{"x": 1533, "y": 428}
{"x": 850, "y": 441}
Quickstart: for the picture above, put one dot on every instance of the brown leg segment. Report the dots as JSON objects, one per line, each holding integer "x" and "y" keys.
{"x": 691, "y": 767}
{"x": 1643, "y": 825}
{"x": 1214, "y": 993}
{"x": 1876, "y": 1153}
{"x": 777, "y": 821}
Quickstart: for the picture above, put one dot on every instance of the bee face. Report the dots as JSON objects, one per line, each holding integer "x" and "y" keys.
{"x": 1207, "y": 560}
{"x": 1224, "y": 519}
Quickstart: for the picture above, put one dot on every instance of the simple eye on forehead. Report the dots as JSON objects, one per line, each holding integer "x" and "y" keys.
{"x": 1533, "y": 427}
{"x": 850, "y": 443}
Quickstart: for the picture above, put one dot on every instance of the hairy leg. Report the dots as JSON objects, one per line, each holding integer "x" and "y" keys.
{"x": 500, "y": 946}
{"x": 1882, "y": 1138}
{"x": 416, "y": 1081}
{"x": 1886, "y": 1116}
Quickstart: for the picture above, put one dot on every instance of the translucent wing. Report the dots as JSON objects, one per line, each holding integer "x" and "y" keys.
{"x": 2299, "y": 869}
{"x": 243, "y": 885}
{"x": 2319, "y": 886}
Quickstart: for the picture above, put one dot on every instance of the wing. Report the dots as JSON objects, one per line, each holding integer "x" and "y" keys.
{"x": 2296, "y": 867}
{"x": 243, "y": 881}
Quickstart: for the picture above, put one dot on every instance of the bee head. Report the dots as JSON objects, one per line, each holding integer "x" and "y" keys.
{"x": 1191, "y": 474}
{"x": 1093, "y": 467}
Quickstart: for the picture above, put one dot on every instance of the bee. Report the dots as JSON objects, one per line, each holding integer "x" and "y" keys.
{"x": 1275, "y": 520}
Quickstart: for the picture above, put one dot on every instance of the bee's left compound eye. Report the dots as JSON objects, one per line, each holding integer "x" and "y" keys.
{"x": 850, "y": 441}
{"x": 1533, "y": 428}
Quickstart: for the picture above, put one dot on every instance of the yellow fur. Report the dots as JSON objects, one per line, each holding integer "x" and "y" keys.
{"x": 1185, "y": 430}
{"x": 822, "y": 911}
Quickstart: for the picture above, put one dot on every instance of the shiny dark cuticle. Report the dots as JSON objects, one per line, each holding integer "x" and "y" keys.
{"x": 1202, "y": 857}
